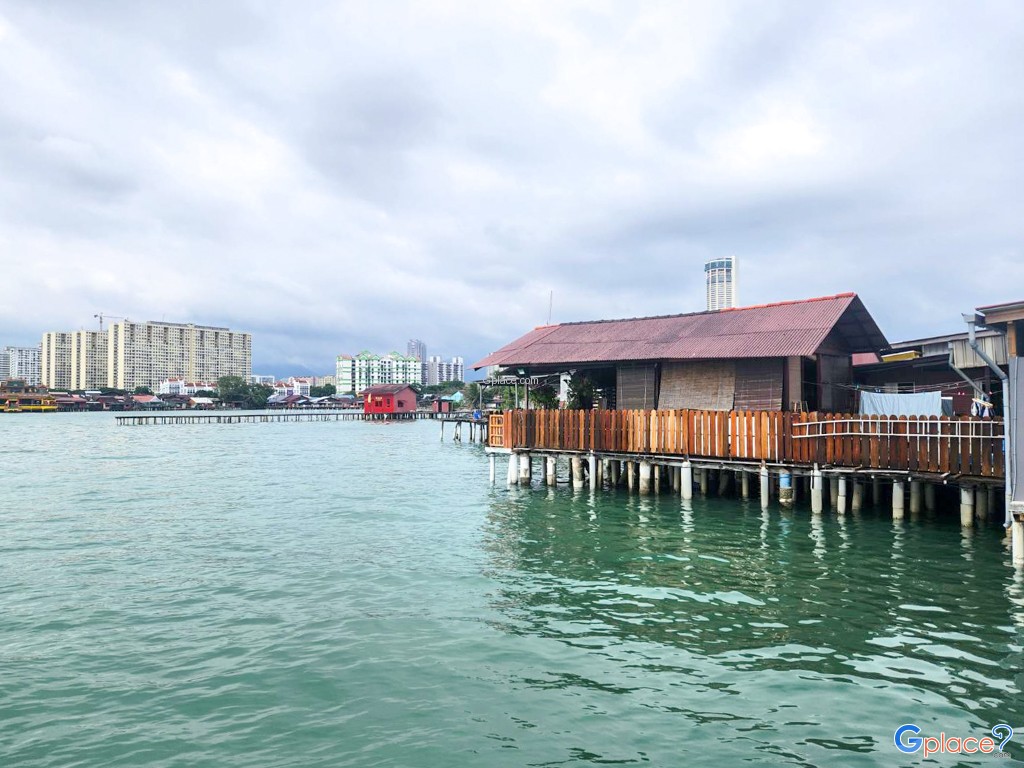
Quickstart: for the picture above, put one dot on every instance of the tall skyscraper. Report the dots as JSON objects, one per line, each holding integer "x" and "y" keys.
{"x": 416, "y": 348}
{"x": 721, "y": 277}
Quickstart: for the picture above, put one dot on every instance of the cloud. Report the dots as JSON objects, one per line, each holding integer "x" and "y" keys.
{"x": 353, "y": 176}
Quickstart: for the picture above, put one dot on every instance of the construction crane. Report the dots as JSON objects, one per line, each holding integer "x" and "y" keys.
{"x": 100, "y": 316}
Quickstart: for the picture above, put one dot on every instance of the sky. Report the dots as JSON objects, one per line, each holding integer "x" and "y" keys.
{"x": 334, "y": 177}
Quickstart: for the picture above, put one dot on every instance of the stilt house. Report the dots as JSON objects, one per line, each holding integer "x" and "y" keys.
{"x": 793, "y": 355}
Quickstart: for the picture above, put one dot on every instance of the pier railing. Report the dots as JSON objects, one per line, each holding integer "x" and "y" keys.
{"x": 932, "y": 445}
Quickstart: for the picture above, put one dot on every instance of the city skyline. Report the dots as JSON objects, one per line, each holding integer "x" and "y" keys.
{"x": 586, "y": 159}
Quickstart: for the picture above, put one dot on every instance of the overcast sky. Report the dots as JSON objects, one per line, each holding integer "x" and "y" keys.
{"x": 339, "y": 177}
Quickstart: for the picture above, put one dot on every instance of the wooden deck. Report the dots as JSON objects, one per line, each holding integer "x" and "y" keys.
{"x": 927, "y": 446}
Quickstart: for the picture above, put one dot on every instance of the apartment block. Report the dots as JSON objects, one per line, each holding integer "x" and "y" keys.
{"x": 144, "y": 354}
{"x": 21, "y": 363}
{"x": 55, "y": 360}
{"x": 88, "y": 359}
{"x": 438, "y": 371}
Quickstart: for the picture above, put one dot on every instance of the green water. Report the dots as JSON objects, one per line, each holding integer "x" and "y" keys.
{"x": 349, "y": 594}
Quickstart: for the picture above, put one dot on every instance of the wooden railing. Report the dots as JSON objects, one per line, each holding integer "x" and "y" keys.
{"x": 963, "y": 446}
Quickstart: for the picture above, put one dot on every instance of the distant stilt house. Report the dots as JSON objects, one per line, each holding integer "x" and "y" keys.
{"x": 794, "y": 355}
{"x": 389, "y": 399}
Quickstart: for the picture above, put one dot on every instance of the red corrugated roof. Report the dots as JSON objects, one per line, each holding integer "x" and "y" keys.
{"x": 787, "y": 328}
{"x": 385, "y": 389}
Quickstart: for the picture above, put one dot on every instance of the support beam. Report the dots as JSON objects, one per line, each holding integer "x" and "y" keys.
{"x": 676, "y": 479}
{"x": 841, "y": 494}
{"x": 745, "y": 485}
{"x": 576, "y": 464}
{"x": 513, "y": 470}
{"x": 657, "y": 478}
{"x": 1017, "y": 542}
{"x": 833, "y": 491}
{"x": 525, "y": 469}
{"x": 704, "y": 479}
{"x": 817, "y": 492}
{"x": 915, "y": 497}
{"x": 645, "y": 478}
{"x": 876, "y": 491}
{"x": 724, "y": 476}
{"x": 981, "y": 505}
{"x": 631, "y": 475}
{"x": 929, "y": 497}
{"x": 966, "y": 506}
{"x": 857, "y": 500}
{"x": 765, "y": 481}
{"x": 492, "y": 458}
{"x": 897, "y": 499}
{"x": 551, "y": 470}
{"x": 686, "y": 480}
{"x": 592, "y": 471}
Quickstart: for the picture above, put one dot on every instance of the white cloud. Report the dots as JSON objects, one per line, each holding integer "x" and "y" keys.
{"x": 353, "y": 176}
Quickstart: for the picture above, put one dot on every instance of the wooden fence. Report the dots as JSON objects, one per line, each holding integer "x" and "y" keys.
{"x": 933, "y": 445}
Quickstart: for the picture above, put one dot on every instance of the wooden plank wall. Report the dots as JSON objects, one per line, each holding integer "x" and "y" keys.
{"x": 962, "y": 446}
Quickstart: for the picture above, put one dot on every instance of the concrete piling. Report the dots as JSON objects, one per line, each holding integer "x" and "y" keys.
{"x": 686, "y": 480}
{"x": 631, "y": 475}
{"x": 857, "y": 499}
{"x": 592, "y": 471}
{"x": 1017, "y": 542}
{"x": 765, "y": 481}
{"x": 704, "y": 478}
{"x": 493, "y": 459}
{"x": 785, "y": 488}
{"x": 915, "y": 497}
{"x": 551, "y": 470}
{"x": 841, "y": 494}
{"x": 745, "y": 485}
{"x": 817, "y": 492}
{"x": 525, "y": 469}
{"x": 645, "y": 478}
{"x": 966, "y": 506}
{"x": 929, "y": 497}
{"x": 981, "y": 505}
{"x": 897, "y": 499}
{"x": 576, "y": 465}
{"x": 513, "y": 470}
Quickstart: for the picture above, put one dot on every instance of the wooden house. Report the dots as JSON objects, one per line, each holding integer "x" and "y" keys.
{"x": 389, "y": 398}
{"x": 793, "y": 355}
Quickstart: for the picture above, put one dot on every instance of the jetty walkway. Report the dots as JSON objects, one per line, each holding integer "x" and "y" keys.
{"x": 823, "y": 455}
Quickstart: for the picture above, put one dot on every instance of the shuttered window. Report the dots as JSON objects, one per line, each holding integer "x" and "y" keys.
{"x": 636, "y": 387}
{"x": 759, "y": 385}
{"x": 707, "y": 385}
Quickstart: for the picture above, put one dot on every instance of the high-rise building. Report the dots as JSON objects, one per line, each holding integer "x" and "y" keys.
{"x": 23, "y": 363}
{"x": 722, "y": 279}
{"x": 437, "y": 371}
{"x": 144, "y": 354}
{"x": 55, "y": 360}
{"x": 354, "y": 374}
{"x": 416, "y": 348}
{"x": 345, "y": 374}
{"x": 88, "y": 359}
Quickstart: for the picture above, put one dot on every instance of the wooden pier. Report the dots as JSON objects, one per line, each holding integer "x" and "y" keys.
{"x": 222, "y": 417}
{"x": 839, "y": 457}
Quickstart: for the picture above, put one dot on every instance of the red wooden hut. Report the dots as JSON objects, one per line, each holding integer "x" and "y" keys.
{"x": 389, "y": 398}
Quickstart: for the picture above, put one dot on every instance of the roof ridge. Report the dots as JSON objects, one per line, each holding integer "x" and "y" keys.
{"x": 789, "y": 302}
